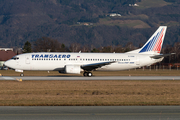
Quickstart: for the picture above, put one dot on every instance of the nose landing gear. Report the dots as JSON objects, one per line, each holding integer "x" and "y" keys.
{"x": 21, "y": 74}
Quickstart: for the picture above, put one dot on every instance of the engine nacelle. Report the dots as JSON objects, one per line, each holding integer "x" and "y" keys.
{"x": 72, "y": 69}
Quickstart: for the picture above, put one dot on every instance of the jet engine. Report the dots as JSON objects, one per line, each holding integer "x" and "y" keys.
{"x": 72, "y": 69}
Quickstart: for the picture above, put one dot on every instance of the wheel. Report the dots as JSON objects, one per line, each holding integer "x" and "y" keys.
{"x": 89, "y": 74}
{"x": 85, "y": 74}
{"x": 21, "y": 74}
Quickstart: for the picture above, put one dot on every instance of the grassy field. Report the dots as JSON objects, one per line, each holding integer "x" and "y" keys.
{"x": 86, "y": 93}
{"x": 144, "y": 4}
{"x": 90, "y": 93}
{"x": 127, "y": 23}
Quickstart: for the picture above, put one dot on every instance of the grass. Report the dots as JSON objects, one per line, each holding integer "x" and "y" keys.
{"x": 89, "y": 93}
{"x": 144, "y": 4}
{"x": 172, "y": 23}
{"x": 122, "y": 23}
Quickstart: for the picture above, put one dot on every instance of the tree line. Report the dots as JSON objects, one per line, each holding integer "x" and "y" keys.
{"x": 46, "y": 44}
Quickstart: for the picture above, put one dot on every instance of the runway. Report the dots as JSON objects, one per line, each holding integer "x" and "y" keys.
{"x": 91, "y": 113}
{"x": 91, "y": 78}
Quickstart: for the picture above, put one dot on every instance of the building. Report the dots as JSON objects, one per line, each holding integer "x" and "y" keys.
{"x": 6, "y": 54}
{"x": 136, "y": 5}
{"x": 6, "y": 49}
{"x": 86, "y": 24}
{"x": 114, "y": 14}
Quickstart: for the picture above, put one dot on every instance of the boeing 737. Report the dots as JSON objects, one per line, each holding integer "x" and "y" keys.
{"x": 74, "y": 63}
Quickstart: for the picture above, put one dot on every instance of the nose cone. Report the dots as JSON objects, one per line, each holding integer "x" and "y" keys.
{"x": 6, "y": 64}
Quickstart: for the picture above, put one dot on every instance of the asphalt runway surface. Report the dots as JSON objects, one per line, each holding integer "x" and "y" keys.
{"x": 90, "y": 113}
{"x": 91, "y": 78}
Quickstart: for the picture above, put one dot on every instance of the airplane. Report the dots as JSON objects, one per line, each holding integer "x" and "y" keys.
{"x": 74, "y": 63}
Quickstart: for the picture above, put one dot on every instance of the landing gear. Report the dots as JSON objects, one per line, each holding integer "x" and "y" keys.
{"x": 21, "y": 74}
{"x": 89, "y": 74}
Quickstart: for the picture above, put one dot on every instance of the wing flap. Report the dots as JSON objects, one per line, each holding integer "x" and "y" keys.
{"x": 90, "y": 67}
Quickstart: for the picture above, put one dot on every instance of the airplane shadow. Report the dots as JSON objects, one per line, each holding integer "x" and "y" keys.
{"x": 65, "y": 76}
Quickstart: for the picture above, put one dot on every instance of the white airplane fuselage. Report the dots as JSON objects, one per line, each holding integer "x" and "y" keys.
{"x": 122, "y": 61}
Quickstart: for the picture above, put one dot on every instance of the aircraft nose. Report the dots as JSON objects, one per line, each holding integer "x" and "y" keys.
{"x": 5, "y": 64}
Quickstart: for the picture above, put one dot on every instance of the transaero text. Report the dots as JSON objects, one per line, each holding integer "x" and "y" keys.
{"x": 51, "y": 56}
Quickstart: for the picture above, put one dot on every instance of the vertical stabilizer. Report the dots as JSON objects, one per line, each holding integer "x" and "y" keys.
{"x": 154, "y": 44}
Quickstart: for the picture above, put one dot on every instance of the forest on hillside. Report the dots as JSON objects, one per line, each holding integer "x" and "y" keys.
{"x": 64, "y": 20}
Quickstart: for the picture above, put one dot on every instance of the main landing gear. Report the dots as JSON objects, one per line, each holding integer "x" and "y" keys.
{"x": 89, "y": 74}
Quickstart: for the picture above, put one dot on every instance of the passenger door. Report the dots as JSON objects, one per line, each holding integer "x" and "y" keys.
{"x": 27, "y": 59}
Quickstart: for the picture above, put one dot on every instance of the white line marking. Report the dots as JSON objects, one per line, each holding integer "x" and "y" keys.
{"x": 8, "y": 78}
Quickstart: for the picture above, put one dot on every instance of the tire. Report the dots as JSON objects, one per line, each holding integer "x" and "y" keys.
{"x": 21, "y": 74}
{"x": 89, "y": 74}
{"x": 85, "y": 74}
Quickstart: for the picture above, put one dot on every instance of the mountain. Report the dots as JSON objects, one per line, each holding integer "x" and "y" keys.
{"x": 87, "y": 22}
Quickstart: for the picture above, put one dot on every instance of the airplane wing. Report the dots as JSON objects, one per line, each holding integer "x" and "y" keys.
{"x": 90, "y": 67}
{"x": 161, "y": 55}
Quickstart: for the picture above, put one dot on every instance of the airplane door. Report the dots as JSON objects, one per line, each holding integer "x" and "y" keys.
{"x": 27, "y": 59}
{"x": 137, "y": 60}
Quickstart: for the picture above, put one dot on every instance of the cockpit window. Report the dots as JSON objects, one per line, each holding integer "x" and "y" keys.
{"x": 15, "y": 58}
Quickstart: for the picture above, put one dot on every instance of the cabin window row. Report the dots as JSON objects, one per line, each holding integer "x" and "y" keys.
{"x": 89, "y": 59}
{"x": 104, "y": 59}
{"x": 47, "y": 59}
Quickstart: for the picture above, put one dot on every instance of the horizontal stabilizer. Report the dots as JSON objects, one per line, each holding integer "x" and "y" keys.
{"x": 161, "y": 55}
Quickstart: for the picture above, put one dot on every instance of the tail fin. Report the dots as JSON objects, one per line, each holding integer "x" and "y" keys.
{"x": 154, "y": 44}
